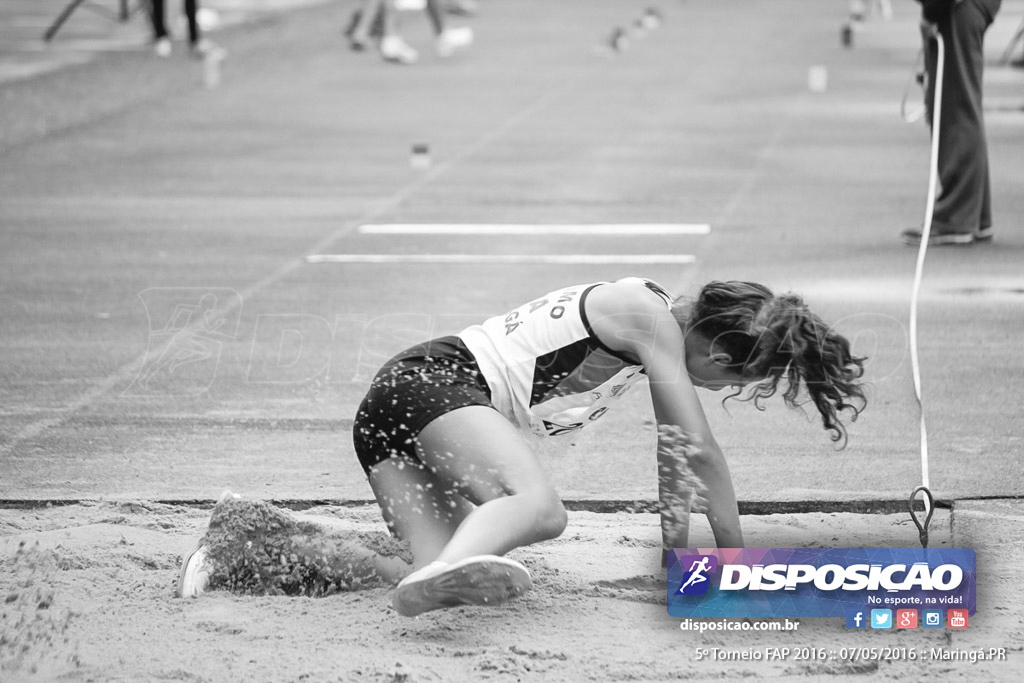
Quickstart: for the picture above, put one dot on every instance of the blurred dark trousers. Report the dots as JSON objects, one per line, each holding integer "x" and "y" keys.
{"x": 156, "y": 13}
{"x": 964, "y": 203}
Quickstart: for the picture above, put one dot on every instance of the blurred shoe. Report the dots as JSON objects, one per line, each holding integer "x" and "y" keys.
{"x": 394, "y": 49}
{"x": 208, "y": 19}
{"x": 482, "y": 580}
{"x": 162, "y": 47}
{"x": 358, "y": 44}
{"x": 462, "y": 8}
{"x": 206, "y": 49}
{"x": 1018, "y": 63}
{"x": 619, "y": 40}
{"x": 452, "y": 40}
{"x": 194, "y": 576}
{"x": 652, "y": 18}
{"x": 984, "y": 234}
{"x": 938, "y": 239}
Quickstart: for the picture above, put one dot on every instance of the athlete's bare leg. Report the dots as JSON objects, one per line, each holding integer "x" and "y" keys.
{"x": 471, "y": 454}
{"x": 418, "y": 506}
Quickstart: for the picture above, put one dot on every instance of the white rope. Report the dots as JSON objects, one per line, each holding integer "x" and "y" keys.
{"x": 923, "y": 249}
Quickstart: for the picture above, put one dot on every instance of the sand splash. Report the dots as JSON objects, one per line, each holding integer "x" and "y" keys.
{"x": 256, "y": 548}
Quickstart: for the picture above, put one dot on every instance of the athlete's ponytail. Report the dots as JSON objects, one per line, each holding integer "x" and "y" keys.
{"x": 771, "y": 338}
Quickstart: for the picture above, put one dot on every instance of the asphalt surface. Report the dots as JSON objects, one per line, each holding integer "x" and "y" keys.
{"x": 129, "y": 189}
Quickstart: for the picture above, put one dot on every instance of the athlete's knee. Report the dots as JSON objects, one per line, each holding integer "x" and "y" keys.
{"x": 550, "y": 516}
{"x": 556, "y": 521}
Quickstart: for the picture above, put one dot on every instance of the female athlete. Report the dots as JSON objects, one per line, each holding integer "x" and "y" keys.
{"x": 444, "y": 433}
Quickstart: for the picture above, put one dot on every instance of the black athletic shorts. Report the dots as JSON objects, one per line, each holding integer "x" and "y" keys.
{"x": 412, "y": 389}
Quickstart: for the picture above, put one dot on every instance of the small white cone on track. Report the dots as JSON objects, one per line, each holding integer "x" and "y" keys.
{"x": 817, "y": 79}
{"x": 420, "y": 158}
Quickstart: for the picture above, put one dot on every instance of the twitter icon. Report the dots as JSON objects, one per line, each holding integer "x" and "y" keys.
{"x": 881, "y": 618}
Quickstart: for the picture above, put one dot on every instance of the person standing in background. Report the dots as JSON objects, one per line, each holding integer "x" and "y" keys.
{"x": 198, "y": 45}
{"x": 963, "y": 207}
{"x": 377, "y": 18}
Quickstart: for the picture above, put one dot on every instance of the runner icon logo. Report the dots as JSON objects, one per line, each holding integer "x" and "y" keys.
{"x": 696, "y": 581}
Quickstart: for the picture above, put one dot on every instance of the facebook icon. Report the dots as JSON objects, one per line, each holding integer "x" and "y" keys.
{"x": 856, "y": 618}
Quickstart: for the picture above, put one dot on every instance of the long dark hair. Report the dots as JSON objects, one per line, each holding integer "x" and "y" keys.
{"x": 774, "y": 338}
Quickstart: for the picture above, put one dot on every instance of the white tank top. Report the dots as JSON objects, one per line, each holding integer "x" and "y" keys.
{"x": 546, "y": 369}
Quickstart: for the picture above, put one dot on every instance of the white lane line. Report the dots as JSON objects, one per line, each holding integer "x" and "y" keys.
{"x": 564, "y": 259}
{"x": 535, "y": 229}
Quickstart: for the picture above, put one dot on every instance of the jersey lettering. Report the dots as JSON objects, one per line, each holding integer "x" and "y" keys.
{"x": 534, "y": 305}
{"x": 554, "y": 429}
{"x": 510, "y": 324}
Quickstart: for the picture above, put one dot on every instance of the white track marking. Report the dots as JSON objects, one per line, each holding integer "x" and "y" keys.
{"x": 538, "y": 229}
{"x": 562, "y": 259}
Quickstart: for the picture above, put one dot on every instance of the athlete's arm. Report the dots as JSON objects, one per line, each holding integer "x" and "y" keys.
{"x": 635, "y": 322}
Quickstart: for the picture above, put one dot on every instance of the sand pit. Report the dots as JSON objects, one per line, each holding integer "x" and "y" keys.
{"x": 88, "y": 595}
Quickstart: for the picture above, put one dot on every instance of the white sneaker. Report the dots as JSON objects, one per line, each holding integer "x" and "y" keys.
{"x": 451, "y": 40}
{"x": 228, "y": 494}
{"x": 162, "y": 47}
{"x": 194, "y": 575}
{"x": 482, "y": 580}
{"x": 394, "y": 49}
